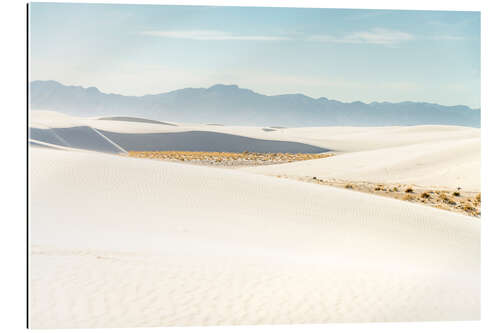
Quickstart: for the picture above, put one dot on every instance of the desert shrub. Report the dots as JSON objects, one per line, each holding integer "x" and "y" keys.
{"x": 349, "y": 186}
{"x": 469, "y": 208}
{"x": 395, "y": 189}
{"x": 456, "y": 194}
{"x": 446, "y": 199}
{"x": 409, "y": 190}
{"x": 425, "y": 195}
{"x": 450, "y": 201}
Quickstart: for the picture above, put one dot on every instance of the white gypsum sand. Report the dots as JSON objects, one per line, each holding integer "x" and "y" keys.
{"x": 442, "y": 157}
{"x": 122, "y": 242}
{"x": 342, "y": 139}
{"x": 445, "y": 164}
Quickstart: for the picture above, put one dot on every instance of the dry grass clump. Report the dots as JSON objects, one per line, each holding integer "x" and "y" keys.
{"x": 456, "y": 194}
{"x": 243, "y": 158}
{"x": 425, "y": 195}
{"x": 468, "y": 208}
{"x": 468, "y": 203}
{"x": 447, "y": 199}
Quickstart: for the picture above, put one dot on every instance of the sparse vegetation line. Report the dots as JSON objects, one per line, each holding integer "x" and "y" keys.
{"x": 225, "y": 159}
{"x": 464, "y": 202}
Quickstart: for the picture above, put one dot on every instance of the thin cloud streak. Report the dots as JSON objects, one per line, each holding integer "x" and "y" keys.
{"x": 377, "y": 36}
{"x": 210, "y": 35}
{"x": 446, "y": 37}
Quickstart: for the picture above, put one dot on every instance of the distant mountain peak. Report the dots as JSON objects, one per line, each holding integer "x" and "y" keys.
{"x": 232, "y": 105}
{"x": 93, "y": 90}
{"x": 220, "y": 86}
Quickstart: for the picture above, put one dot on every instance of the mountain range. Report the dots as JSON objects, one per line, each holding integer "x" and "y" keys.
{"x": 232, "y": 105}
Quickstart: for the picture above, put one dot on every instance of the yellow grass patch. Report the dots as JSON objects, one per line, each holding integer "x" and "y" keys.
{"x": 225, "y": 158}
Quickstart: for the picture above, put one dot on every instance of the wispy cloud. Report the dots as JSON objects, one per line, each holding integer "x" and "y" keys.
{"x": 446, "y": 37}
{"x": 377, "y": 36}
{"x": 210, "y": 35}
{"x": 374, "y": 36}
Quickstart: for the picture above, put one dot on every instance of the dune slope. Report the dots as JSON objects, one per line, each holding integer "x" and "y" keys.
{"x": 122, "y": 242}
{"x": 442, "y": 164}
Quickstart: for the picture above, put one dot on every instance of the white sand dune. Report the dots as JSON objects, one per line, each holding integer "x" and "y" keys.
{"x": 428, "y": 156}
{"x": 441, "y": 164}
{"x": 121, "y": 134}
{"x": 122, "y": 242}
{"x": 342, "y": 139}
{"x": 353, "y": 139}
{"x": 136, "y": 120}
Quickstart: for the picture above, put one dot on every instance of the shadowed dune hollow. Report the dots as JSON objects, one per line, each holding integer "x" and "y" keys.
{"x": 137, "y": 120}
{"x": 207, "y": 141}
{"x": 84, "y": 137}
{"x": 80, "y": 137}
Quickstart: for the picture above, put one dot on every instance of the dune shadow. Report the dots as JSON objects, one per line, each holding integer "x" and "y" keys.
{"x": 206, "y": 141}
{"x": 41, "y": 145}
{"x": 46, "y": 135}
{"x": 137, "y": 120}
{"x": 84, "y": 137}
{"x": 80, "y": 137}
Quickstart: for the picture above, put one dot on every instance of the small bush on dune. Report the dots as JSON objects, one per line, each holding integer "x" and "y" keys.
{"x": 425, "y": 195}
{"x": 456, "y": 194}
{"x": 469, "y": 208}
{"x": 446, "y": 199}
{"x": 409, "y": 190}
{"x": 349, "y": 186}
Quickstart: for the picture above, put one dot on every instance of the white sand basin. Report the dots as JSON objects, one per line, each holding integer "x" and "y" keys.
{"x": 122, "y": 242}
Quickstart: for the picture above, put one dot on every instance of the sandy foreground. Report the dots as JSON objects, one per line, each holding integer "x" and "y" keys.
{"x": 126, "y": 242}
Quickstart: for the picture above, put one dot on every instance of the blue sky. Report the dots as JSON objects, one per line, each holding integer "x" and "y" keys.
{"x": 347, "y": 55}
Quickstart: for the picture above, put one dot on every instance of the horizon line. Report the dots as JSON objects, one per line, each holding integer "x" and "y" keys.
{"x": 239, "y": 87}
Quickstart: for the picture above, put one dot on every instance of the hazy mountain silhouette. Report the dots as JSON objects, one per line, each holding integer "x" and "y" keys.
{"x": 229, "y": 104}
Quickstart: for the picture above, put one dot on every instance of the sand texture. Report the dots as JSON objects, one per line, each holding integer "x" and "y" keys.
{"x": 124, "y": 242}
